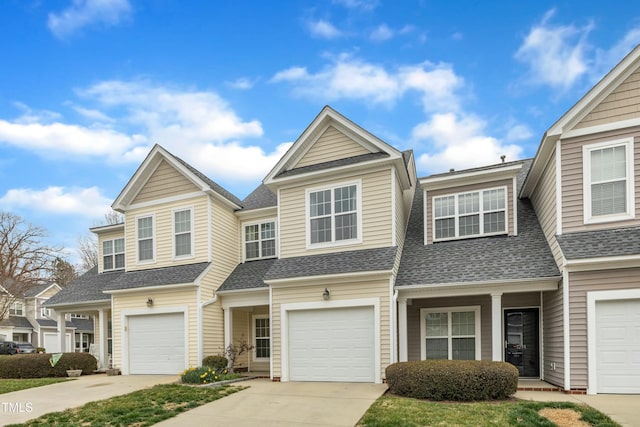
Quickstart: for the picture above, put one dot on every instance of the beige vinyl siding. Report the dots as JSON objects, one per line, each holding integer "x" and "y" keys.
{"x": 376, "y": 216}
{"x": 162, "y": 299}
{"x": 354, "y": 289}
{"x": 48, "y": 293}
{"x": 508, "y": 183}
{"x": 108, "y": 236}
{"x": 572, "y": 186}
{"x": 579, "y": 284}
{"x": 332, "y": 145}
{"x": 241, "y": 332}
{"x": 621, "y": 104}
{"x": 163, "y": 231}
{"x": 165, "y": 181}
{"x": 213, "y": 330}
{"x": 553, "y": 336}
{"x": 413, "y": 321}
{"x": 543, "y": 200}
{"x": 225, "y": 245}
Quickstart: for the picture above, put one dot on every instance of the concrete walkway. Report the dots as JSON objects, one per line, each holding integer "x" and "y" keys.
{"x": 622, "y": 408}
{"x": 267, "y": 403}
{"x": 24, "y": 405}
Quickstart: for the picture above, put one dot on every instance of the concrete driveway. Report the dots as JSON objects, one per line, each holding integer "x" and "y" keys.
{"x": 267, "y": 403}
{"x": 23, "y": 405}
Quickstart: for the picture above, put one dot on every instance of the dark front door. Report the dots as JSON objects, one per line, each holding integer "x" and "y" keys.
{"x": 522, "y": 336}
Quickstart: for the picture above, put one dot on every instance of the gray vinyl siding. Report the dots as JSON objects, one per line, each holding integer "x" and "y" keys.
{"x": 621, "y": 104}
{"x": 572, "y": 182}
{"x": 553, "y": 336}
{"x": 521, "y": 300}
{"x": 579, "y": 284}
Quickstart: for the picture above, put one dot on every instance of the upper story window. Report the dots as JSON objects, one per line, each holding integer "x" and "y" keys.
{"x": 333, "y": 214}
{"x": 145, "y": 226}
{"x": 471, "y": 214}
{"x": 260, "y": 240}
{"x": 16, "y": 309}
{"x": 79, "y": 316}
{"x": 113, "y": 254}
{"x": 183, "y": 232}
{"x": 45, "y": 312}
{"x": 608, "y": 181}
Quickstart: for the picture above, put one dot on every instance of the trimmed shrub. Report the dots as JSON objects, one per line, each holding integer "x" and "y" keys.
{"x": 216, "y": 362}
{"x": 38, "y": 365}
{"x": 206, "y": 375}
{"x": 459, "y": 380}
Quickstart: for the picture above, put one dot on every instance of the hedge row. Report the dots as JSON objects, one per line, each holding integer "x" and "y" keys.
{"x": 458, "y": 380}
{"x": 38, "y": 365}
{"x": 215, "y": 362}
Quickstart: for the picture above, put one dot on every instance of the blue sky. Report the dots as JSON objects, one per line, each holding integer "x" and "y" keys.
{"x": 88, "y": 86}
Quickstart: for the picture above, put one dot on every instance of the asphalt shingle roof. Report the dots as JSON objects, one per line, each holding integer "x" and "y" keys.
{"x": 524, "y": 256}
{"x": 248, "y": 275}
{"x": 174, "y": 275}
{"x": 333, "y": 164}
{"x": 86, "y": 288}
{"x": 377, "y": 259}
{"x": 49, "y": 323}
{"x": 82, "y": 325}
{"x": 16, "y": 322}
{"x": 259, "y": 198}
{"x": 600, "y": 243}
{"x": 32, "y": 291}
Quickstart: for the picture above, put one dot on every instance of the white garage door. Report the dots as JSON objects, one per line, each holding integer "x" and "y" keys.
{"x": 156, "y": 344}
{"x": 618, "y": 346}
{"x": 52, "y": 343}
{"x": 332, "y": 345}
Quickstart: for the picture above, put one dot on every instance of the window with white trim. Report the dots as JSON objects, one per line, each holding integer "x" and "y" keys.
{"x": 182, "y": 230}
{"x": 260, "y": 240}
{"x": 262, "y": 333}
{"x": 113, "y": 254}
{"x": 45, "y": 312}
{"x": 16, "y": 309}
{"x": 333, "y": 214}
{"x": 450, "y": 333}
{"x": 145, "y": 238}
{"x": 470, "y": 214}
{"x": 608, "y": 181}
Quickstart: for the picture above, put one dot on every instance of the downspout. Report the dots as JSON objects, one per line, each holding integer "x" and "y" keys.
{"x": 394, "y": 321}
{"x": 201, "y": 326}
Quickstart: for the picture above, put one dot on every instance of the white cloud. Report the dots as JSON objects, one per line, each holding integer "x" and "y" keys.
{"x": 358, "y": 4}
{"x": 242, "y": 83}
{"x": 381, "y": 33}
{"x": 518, "y": 132}
{"x": 605, "y": 59}
{"x": 459, "y": 142}
{"x": 323, "y": 29}
{"x": 82, "y": 13}
{"x": 86, "y": 202}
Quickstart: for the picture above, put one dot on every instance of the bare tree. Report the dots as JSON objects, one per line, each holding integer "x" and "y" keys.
{"x": 88, "y": 244}
{"x": 24, "y": 259}
{"x": 113, "y": 217}
{"x": 63, "y": 272}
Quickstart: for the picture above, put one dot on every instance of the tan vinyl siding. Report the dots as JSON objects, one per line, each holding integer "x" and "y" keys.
{"x": 376, "y": 216}
{"x": 108, "y": 236}
{"x": 332, "y": 145}
{"x": 508, "y": 183}
{"x": 163, "y": 230}
{"x": 225, "y": 251}
{"x": 413, "y": 321}
{"x": 543, "y": 200}
{"x": 241, "y": 332}
{"x": 176, "y": 299}
{"x": 553, "y": 336}
{"x": 356, "y": 289}
{"x": 212, "y": 330}
{"x": 165, "y": 181}
{"x": 572, "y": 185}
{"x": 579, "y": 284}
{"x": 621, "y": 104}
{"x": 400, "y": 218}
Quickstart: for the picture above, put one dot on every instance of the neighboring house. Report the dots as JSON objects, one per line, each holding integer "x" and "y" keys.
{"x": 342, "y": 261}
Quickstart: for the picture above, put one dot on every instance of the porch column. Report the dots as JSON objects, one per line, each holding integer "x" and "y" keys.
{"x": 228, "y": 327}
{"x": 103, "y": 345}
{"x": 62, "y": 331}
{"x": 402, "y": 330}
{"x": 496, "y": 326}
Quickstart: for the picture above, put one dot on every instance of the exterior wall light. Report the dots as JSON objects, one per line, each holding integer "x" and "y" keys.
{"x": 326, "y": 294}
{"x": 150, "y": 302}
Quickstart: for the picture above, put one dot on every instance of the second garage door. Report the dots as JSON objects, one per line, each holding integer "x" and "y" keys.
{"x": 618, "y": 346}
{"x": 332, "y": 345}
{"x": 156, "y": 344}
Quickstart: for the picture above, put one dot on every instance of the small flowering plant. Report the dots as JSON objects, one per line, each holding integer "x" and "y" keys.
{"x": 206, "y": 375}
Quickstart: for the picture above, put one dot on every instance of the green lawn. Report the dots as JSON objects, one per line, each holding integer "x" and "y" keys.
{"x": 7, "y": 386}
{"x": 140, "y": 408}
{"x": 391, "y": 410}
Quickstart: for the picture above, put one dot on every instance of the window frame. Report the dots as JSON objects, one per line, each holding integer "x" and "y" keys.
{"x": 449, "y": 310}
{"x": 113, "y": 254}
{"x": 45, "y": 312}
{"x": 260, "y": 240}
{"x": 481, "y": 213}
{"x": 628, "y": 143}
{"x": 174, "y": 234}
{"x": 358, "y": 212}
{"x": 13, "y": 308}
{"x": 255, "y": 337}
{"x": 153, "y": 239}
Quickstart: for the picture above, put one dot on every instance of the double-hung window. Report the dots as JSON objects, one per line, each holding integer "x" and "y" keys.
{"x": 450, "y": 333}
{"x": 471, "y": 214}
{"x": 608, "y": 181}
{"x": 182, "y": 230}
{"x": 113, "y": 254}
{"x": 260, "y": 240}
{"x": 262, "y": 337}
{"x": 16, "y": 309}
{"x": 333, "y": 214}
{"x": 145, "y": 238}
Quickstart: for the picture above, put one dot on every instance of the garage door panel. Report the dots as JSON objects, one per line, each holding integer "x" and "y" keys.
{"x": 156, "y": 344}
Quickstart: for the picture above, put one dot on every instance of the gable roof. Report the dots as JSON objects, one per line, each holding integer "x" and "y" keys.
{"x": 600, "y": 243}
{"x": 260, "y": 198}
{"x": 35, "y": 291}
{"x": 85, "y": 289}
{"x": 148, "y": 166}
{"x": 248, "y": 275}
{"x": 16, "y": 322}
